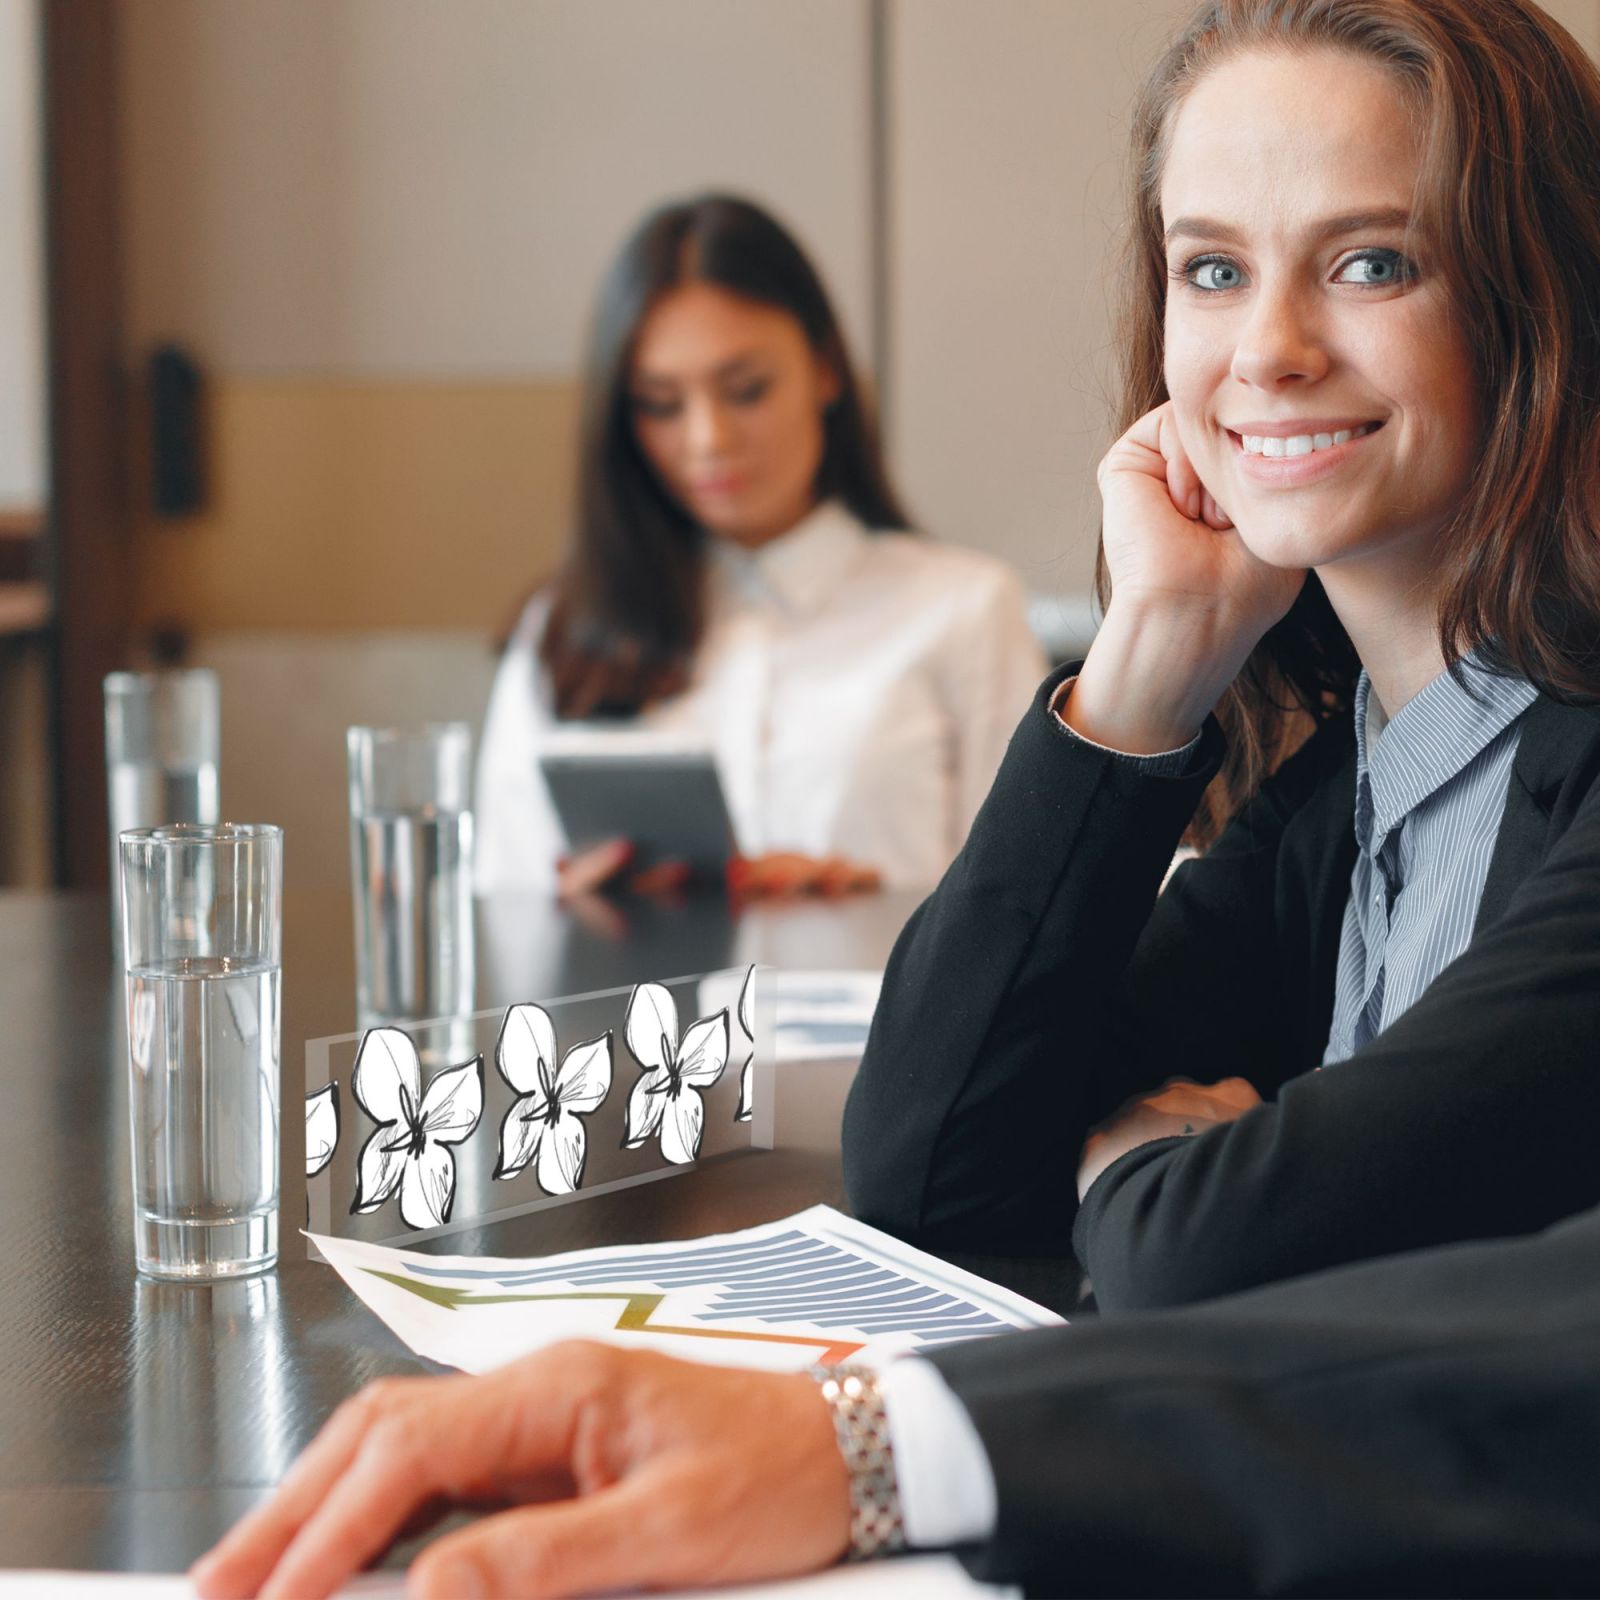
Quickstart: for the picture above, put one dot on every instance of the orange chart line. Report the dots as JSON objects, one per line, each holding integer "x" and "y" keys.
{"x": 639, "y": 1306}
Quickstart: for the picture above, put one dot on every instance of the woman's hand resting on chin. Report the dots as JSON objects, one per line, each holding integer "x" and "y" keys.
{"x": 1188, "y": 599}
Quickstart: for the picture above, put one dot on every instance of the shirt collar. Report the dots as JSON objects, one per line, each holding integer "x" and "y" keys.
{"x": 801, "y": 568}
{"x": 1431, "y": 739}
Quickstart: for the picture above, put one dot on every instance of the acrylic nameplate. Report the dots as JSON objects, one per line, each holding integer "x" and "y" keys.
{"x": 422, "y": 1130}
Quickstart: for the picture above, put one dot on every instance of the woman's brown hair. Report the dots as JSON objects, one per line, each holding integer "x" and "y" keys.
{"x": 1509, "y": 197}
{"x": 627, "y": 608}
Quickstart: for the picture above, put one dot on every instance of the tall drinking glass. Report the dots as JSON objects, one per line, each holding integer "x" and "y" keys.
{"x": 203, "y": 929}
{"x": 163, "y": 739}
{"x": 411, "y": 869}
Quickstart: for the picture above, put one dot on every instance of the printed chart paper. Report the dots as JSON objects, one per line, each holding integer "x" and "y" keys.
{"x": 817, "y": 1286}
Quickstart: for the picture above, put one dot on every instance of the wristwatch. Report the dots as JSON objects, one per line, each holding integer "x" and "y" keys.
{"x": 861, "y": 1424}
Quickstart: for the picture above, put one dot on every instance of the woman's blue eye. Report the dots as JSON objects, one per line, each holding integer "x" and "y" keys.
{"x": 1214, "y": 273}
{"x": 1378, "y": 268}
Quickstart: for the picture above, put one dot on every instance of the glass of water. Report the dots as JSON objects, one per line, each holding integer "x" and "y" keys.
{"x": 203, "y": 931}
{"x": 163, "y": 736}
{"x": 411, "y": 871}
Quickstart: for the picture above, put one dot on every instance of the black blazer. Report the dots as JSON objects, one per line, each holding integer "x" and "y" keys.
{"x": 1426, "y": 1424}
{"x": 1044, "y": 982}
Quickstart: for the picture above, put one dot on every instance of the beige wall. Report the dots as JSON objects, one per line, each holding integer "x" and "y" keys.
{"x": 408, "y": 188}
{"x": 1581, "y": 18}
{"x": 1010, "y": 123}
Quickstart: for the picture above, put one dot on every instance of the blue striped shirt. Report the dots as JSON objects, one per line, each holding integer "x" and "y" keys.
{"x": 1430, "y": 790}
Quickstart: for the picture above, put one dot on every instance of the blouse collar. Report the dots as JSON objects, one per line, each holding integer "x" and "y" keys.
{"x": 1402, "y": 760}
{"x": 801, "y": 568}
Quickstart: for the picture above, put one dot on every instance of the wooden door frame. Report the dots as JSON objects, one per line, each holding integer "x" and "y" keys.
{"x": 88, "y": 546}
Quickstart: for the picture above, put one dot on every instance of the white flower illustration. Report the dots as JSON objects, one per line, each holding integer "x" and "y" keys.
{"x": 411, "y": 1149}
{"x": 666, "y": 1098}
{"x": 545, "y": 1121}
{"x": 322, "y": 1127}
{"x": 747, "y": 1102}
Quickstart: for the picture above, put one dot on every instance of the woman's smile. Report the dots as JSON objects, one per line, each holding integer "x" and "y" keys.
{"x": 1293, "y": 454}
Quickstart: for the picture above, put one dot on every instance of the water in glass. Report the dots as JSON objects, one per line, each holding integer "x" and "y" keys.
{"x": 203, "y": 1040}
{"x": 413, "y": 895}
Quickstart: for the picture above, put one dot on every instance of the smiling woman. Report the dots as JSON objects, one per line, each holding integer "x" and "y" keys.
{"x": 1482, "y": 122}
{"x": 1355, "y": 507}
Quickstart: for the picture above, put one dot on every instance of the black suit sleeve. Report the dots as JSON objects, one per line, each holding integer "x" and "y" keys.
{"x": 1426, "y": 1424}
{"x": 1043, "y": 982}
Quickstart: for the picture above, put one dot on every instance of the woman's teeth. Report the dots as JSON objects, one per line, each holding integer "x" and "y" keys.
{"x": 1300, "y": 444}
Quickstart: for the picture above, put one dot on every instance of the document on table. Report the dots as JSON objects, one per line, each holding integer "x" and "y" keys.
{"x": 817, "y": 1016}
{"x": 923, "y": 1577}
{"x": 824, "y": 1016}
{"x": 817, "y": 1286}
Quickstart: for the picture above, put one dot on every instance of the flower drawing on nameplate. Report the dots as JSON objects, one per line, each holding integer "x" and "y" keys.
{"x": 747, "y": 1102}
{"x": 322, "y": 1128}
{"x": 545, "y": 1122}
{"x": 666, "y": 1099}
{"x": 411, "y": 1149}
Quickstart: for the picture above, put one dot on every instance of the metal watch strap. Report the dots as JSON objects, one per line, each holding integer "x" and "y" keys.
{"x": 861, "y": 1425}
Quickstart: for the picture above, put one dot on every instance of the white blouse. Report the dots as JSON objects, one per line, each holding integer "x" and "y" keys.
{"x": 856, "y": 689}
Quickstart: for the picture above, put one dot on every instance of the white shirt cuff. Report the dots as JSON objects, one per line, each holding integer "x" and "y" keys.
{"x": 947, "y": 1492}
{"x": 1159, "y": 764}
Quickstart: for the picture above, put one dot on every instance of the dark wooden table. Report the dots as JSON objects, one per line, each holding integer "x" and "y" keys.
{"x": 139, "y": 1419}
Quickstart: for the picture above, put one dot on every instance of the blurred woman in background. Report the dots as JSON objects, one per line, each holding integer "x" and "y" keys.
{"x": 742, "y": 573}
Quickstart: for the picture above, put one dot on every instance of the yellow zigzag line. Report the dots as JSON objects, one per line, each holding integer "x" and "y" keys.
{"x": 639, "y": 1306}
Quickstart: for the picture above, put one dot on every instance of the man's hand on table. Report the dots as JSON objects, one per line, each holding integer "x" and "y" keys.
{"x": 621, "y": 1469}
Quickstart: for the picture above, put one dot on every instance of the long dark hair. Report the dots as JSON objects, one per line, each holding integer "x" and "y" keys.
{"x": 628, "y": 606}
{"x": 1510, "y": 188}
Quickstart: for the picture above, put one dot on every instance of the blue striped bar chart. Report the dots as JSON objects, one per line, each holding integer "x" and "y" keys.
{"x": 817, "y": 1270}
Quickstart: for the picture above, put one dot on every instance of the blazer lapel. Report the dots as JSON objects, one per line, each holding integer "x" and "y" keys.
{"x": 1557, "y": 742}
{"x": 1328, "y": 893}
